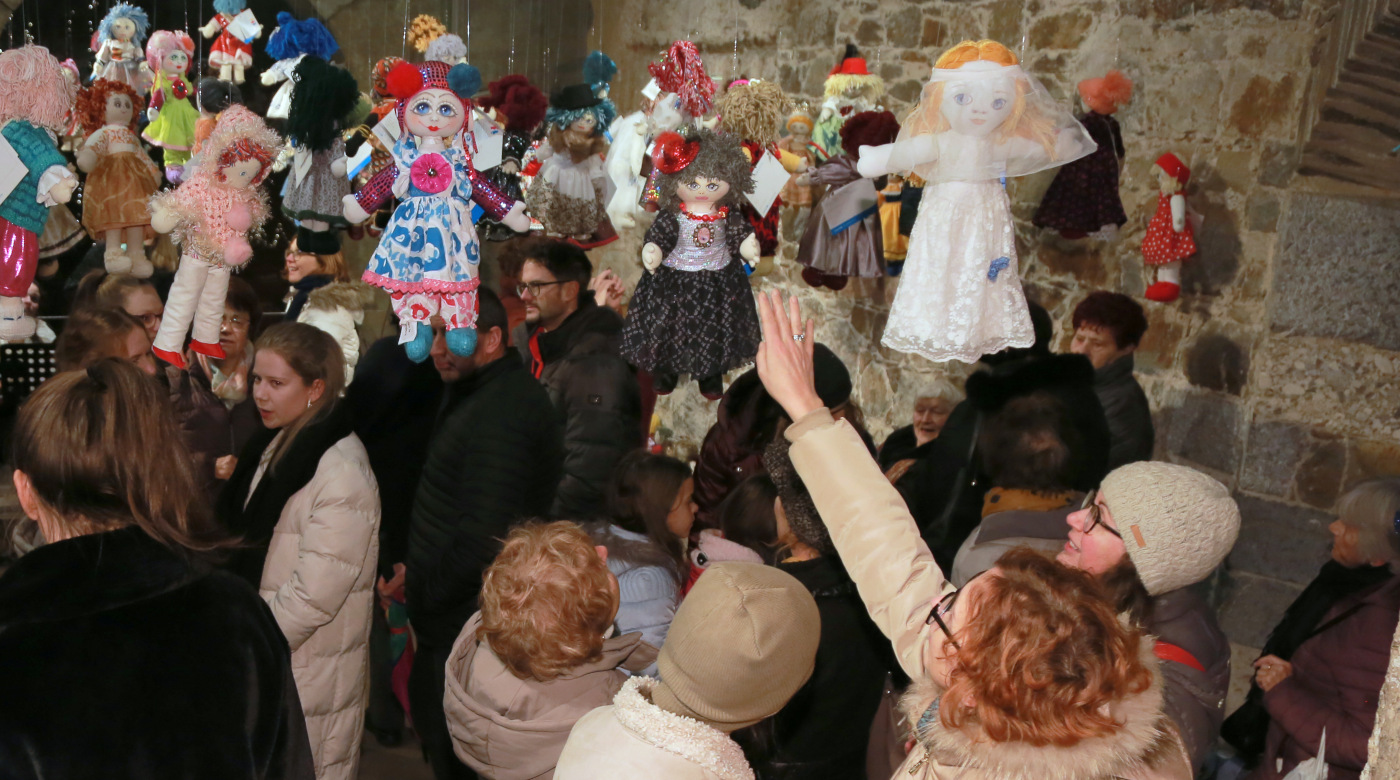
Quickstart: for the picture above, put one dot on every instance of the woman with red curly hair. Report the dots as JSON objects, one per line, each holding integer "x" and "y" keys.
{"x": 121, "y": 178}
{"x": 1027, "y": 672}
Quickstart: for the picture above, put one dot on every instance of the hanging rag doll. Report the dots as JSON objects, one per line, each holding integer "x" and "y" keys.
{"x": 850, "y": 89}
{"x": 35, "y": 99}
{"x": 752, "y": 111}
{"x": 693, "y": 312}
{"x": 429, "y": 36}
{"x": 687, "y": 95}
{"x": 72, "y": 135}
{"x": 211, "y": 216}
{"x": 118, "y": 43}
{"x": 120, "y": 176}
{"x": 287, "y": 44}
{"x": 799, "y": 142}
{"x": 567, "y": 193}
{"x": 230, "y": 55}
{"x": 843, "y": 236}
{"x": 896, "y": 244}
{"x": 381, "y": 157}
{"x": 1083, "y": 199}
{"x": 1171, "y": 236}
{"x": 316, "y": 184}
{"x": 981, "y": 118}
{"x": 520, "y": 107}
{"x": 428, "y": 259}
{"x": 215, "y": 97}
{"x": 171, "y": 113}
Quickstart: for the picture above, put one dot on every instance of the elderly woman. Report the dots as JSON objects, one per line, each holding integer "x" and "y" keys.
{"x": 1334, "y": 678}
{"x": 912, "y": 442}
{"x": 539, "y": 655}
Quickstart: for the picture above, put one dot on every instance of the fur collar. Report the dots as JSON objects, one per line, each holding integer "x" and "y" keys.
{"x": 685, "y": 737}
{"x": 1142, "y": 739}
{"x": 351, "y": 296}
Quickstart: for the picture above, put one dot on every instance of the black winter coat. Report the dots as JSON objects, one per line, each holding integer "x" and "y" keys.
{"x": 1131, "y": 435}
{"x": 127, "y": 660}
{"x": 596, "y": 397}
{"x": 495, "y": 459}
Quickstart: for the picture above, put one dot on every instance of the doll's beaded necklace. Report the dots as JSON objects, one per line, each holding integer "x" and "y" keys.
{"x": 715, "y": 217}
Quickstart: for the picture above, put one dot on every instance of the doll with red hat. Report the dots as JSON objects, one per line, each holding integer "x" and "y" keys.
{"x": 1170, "y": 237}
{"x": 1083, "y": 199}
{"x": 693, "y": 312}
{"x": 687, "y": 94}
{"x": 850, "y": 89}
{"x": 428, "y": 257}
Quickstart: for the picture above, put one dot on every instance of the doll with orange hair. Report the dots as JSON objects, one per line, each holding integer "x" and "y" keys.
{"x": 1170, "y": 235}
{"x": 980, "y": 120}
{"x": 120, "y": 176}
{"x": 1083, "y": 198}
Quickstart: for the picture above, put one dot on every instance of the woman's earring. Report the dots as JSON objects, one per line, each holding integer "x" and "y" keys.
{"x": 308, "y": 403}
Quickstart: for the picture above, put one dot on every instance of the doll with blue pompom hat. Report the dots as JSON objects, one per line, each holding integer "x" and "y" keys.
{"x": 292, "y": 40}
{"x": 429, "y": 255}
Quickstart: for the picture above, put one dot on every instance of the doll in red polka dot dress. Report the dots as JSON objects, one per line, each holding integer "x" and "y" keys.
{"x": 1170, "y": 238}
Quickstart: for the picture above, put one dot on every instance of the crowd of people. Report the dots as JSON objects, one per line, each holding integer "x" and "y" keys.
{"x": 245, "y": 566}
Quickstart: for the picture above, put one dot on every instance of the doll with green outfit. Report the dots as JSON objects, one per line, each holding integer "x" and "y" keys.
{"x": 171, "y": 110}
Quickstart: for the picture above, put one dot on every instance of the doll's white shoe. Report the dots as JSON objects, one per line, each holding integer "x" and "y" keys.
{"x": 141, "y": 266}
{"x": 116, "y": 261}
{"x": 14, "y": 325}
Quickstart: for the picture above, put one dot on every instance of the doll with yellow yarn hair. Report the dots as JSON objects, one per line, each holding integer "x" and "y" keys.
{"x": 981, "y": 119}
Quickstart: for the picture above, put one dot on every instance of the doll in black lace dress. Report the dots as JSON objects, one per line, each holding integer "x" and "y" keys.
{"x": 693, "y": 311}
{"x": 520, "y": 107}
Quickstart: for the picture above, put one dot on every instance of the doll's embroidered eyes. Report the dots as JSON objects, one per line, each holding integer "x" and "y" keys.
{"x": 999, "y": 104}
{"x": 422, "y": 109}
{"x": 446, "y": 109}
{"x": 962, "y": 98}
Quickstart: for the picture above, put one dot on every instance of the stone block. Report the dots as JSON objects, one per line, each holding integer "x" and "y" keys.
{"x": 1263, "y": 212}
{"x": 1370, "y": 458}
{"x": 907, "y": 91}
{"x": 1264, "y": 105}
{"x": 1253, "y": 606}
{"x": 1278, "y": 164}
{"x": 1217, "y": 362}
{"x": 1159, "y": 344}
{"x": 1084, "y": 260}
{"x": 1219, "y": 249}
{"x": 1271, "y": 457}
{"x": 1236, "y": 169}
{"x": 1320, "y": 474}
{"x": 870, "y": 33}
{"x": 1061, "y": 31}
{"x": 905, "y": 27}
{"x": 1334, "y": 274}
{"x": 1279, "y": 540}
{"x": 1204, "y": 429}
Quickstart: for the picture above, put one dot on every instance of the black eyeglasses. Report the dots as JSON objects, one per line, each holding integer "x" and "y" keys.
{"x": 943, "y": 607}
{"x": 533, "y": 287}
{"x": 1096, "y": 516}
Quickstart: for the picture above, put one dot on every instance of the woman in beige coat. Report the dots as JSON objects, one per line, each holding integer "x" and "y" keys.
{"x": 305, "y": 501}
{"x": 1024, "y": 673}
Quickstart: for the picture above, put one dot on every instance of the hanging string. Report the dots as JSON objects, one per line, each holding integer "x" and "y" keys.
{"x": 403, "y": 50}
{"x": 469, "y": 30}
{"x": 510, "y": 59}
{"x": 734, "y": 64}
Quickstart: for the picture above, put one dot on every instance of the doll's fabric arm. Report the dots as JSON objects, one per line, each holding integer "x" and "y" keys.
{"x": 51, "y": 178}
{"x": 157, "y": 99}
{"x": 792, "y": 163}
{"x": 377, "y": 190}
{"x": 212, "y": 28}
{"x": 496, "y": 203}
{"x": 665, "y": 231}
{"x": 737, "y": 230}
{"x": 1179, "y": 212}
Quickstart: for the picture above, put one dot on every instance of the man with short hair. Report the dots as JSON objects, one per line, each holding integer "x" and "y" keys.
{"x": 495, "y": 459}
{"x": 570, "y": 343}
{"x": 1107, "y": 329}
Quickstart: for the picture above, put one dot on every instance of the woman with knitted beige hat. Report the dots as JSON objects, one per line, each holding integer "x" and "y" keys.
{"x": 1095, "y": 712}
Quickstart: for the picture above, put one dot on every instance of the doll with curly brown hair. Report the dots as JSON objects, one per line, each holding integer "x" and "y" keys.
{"x": 121, "y": 177}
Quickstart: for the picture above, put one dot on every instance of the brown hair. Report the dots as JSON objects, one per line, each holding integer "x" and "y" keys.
{"x": 1041, "y": 656}
{"x": 91, "y": 107}
{"x": 92, "y": 335}
{"x": 332, "y": 265}
{"x": 99, "y": 289}
{"x": 102, "y": 451}
{"x": 640, "y": 495}
{"x": 312, "y": 354}
{"x": 546, "y": 601}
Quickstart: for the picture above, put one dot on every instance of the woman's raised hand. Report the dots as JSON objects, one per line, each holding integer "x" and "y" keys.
{"x": 785, "y": 355}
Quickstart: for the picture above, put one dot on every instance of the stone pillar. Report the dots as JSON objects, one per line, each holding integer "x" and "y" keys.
{"x": 1384, "y": 754}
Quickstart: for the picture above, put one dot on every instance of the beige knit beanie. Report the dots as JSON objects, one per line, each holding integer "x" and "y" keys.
{"x": 1177, "y": 523}
{"x": 742, "y": 643}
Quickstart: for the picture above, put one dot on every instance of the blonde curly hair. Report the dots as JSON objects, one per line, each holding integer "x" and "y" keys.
{"x": 754, "y": 111}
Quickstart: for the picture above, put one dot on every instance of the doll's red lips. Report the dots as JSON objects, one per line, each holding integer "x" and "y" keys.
{"x": 433, "y": 128}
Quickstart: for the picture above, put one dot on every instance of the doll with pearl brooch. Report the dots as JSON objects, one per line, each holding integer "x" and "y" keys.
{"x": 429, "y": 255}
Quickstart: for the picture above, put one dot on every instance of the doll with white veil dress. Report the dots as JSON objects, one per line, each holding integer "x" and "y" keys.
{"x": 980, "y": 120}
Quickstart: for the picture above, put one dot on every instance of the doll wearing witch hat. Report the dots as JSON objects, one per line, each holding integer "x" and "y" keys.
{"x": 1083, "y": 199}
{"x": 293, "y": 39}
{"x": 520, "y": 107}
{"x": 693, "y": 312}
{"x": 316, "y": 184}
{"x": 1170, "y": 236}
{"x": 428, "y": 258}
{"x": 850, "y": 89}
{"x": 567, "y": 193}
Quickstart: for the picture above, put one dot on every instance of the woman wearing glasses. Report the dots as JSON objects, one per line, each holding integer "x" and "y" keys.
{"x": 1024, "y": 673}
{"x": 324, "y": 296}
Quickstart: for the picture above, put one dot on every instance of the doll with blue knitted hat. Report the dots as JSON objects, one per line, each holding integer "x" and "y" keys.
{"x": 289, "y": 42}
{"x": 567, "y": 194}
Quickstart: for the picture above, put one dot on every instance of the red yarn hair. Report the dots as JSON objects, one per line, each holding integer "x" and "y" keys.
{"x": 91, "y": 107}
{"x": 1042, "y": 656}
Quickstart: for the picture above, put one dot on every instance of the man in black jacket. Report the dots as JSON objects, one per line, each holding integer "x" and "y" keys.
{"x": 495, "y": 459}
{"x": 570, "y": 343}
{"x": 1107, "y": 329}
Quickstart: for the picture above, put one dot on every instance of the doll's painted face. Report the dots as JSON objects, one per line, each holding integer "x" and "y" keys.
{"x": 123, "y": 29}
{"x": 666, "y": 112}
{"x": 435, "y": 113}
{"x": 119, "y": 109}
{"x": 242, "y": 174}
{"x": 584, "y": 124}
{"x": 176, "y": 62}
{"x": 978, "y": 106}
{"x": 702, "y": 191}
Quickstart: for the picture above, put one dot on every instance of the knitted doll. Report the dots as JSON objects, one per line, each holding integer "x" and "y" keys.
{"x": 693, "y": 312}
{"x": 427, "y": 260}
{"x": 1083, "y": 198}
{"x": 520, "y": 107}
{"x": 210, "y": 216}
{"x": 118, "y": 43}
{"x": 120, "y": 176}
{"x": 35, "y": 99}
{"x": 229, "y": 55}
{"x": 1170, "y": 235}
{"x": 215, "y": 97}
{"x": 799, "y": 141}
{"x": 850, "y": 89}
{"x": 171, "y": 112}
{"x": 981, "y": 118}
{"x": 431, "y": 37}
{"x": 752, "y": 111}
{"x": 287, "y": 44}
{"x": 843, "y": 236}
{"x": 567, "y": 193}
{"x": 316, "y": 184}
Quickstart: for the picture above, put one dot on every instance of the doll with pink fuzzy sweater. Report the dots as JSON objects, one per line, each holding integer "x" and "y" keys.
{"x": 210, "y": 217}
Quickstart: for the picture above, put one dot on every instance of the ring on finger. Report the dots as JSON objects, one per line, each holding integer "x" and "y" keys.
{"x": 799, "y": 337}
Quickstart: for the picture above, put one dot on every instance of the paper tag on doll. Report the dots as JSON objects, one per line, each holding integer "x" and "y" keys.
{"x": 245, "y": 27}
{"x": 12, "y": 169}
{"x": 301, "y": 164}
{"x": 769, "y": 177}
{"x": 407, "y": 332}
{"x": 355, "y": 164}
{"x": 387, "y": 131}
{"x": 490, "y": 145}
{"x": 651, "y": 90}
